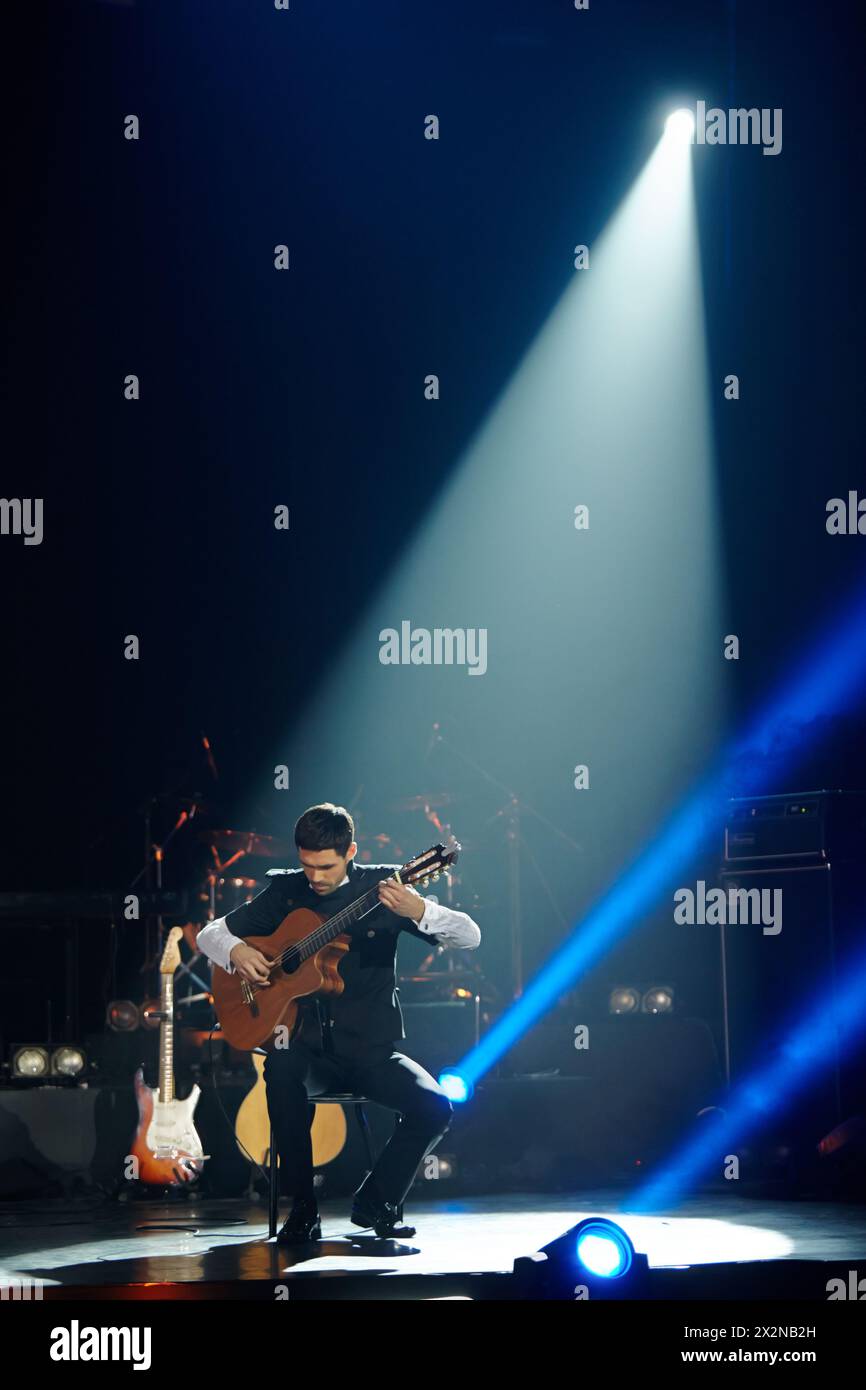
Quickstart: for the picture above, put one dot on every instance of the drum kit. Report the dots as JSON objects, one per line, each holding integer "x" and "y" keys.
{"x": 237, "y": 863}
{"x": 235, "y": 869}
{"x": 227, "y": 868}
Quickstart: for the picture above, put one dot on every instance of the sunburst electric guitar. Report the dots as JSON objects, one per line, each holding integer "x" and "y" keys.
{"x": 304, "y": 954}
{"x": 166, "y": 1146}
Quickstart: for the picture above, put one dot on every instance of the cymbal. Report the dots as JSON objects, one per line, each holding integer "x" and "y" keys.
{"x": 426, "y": 801}
{"x": 450, "y": 975}
{"x": 248, "y": 842}
{"x": 183, "y": 802}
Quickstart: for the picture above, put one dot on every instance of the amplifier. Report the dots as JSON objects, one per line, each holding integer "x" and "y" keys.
{"x": 771, "y": 982}
{"x": 439, "y": 1033}
{"x": 818, "y": 825}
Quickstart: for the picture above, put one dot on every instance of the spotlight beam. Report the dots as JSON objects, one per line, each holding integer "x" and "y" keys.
{"x": 680, "y": 126}
{"x": 825, "y": 684}
{"x": 807, "y": 1050}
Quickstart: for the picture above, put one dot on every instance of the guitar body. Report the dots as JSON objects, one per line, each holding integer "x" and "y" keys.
{"x": 253, "y": 1126}
{"x": 165, "y": 1144}
{"x": 249, "y": 1014}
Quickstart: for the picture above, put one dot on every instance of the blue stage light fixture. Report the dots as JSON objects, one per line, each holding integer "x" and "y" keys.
{"x": 603, "y": 1249}
{"x": 595, "y": 1259}
{"x": 455, "y": 1086}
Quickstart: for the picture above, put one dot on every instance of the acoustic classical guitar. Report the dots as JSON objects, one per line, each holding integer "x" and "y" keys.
{"x": 167, "y": 1149}
{"x": 304, "y": 954}
{"x": 253, "y": 1124}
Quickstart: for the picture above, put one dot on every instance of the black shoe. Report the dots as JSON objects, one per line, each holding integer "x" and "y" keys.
{"x": 384, "y": 1217}
{"x": 302, "y": 1223}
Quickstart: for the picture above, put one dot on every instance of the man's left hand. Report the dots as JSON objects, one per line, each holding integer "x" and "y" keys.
{"x": 403, "y": 901}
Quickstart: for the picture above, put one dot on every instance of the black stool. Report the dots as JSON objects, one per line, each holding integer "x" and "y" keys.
{"x": 331, "y": 1098}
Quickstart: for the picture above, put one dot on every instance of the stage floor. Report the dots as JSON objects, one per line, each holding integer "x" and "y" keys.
{"x": 68, "y": 1246}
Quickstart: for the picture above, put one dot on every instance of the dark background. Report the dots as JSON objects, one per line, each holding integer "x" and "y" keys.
{"x": 155, "y": 257}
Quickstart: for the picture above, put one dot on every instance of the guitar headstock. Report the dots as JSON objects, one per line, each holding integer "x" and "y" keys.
{"x": 427, "y": 867}
{"x": 171, "y": 955}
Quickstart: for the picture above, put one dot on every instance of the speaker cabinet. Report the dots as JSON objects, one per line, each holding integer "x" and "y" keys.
{"x": 773, "y": 981}
{"x": 439, "y": 1034}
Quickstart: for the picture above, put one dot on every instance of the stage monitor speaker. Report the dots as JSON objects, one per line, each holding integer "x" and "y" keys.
{"x": 773, "y": 980}
{"x": 438, "y": 1034}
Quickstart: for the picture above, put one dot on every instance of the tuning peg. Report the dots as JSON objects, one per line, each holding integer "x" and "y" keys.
{"x": 424, "y": 882}
{"x": 435, "y": 876}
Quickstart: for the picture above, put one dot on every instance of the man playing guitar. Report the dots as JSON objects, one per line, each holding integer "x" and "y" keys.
{"x": 345, "y": 1042}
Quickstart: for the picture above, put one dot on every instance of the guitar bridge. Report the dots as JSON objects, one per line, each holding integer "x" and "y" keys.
{"x": 249, "y": 998}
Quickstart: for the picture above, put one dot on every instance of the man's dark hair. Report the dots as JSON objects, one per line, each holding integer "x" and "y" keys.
{"x": 325, "y": 827}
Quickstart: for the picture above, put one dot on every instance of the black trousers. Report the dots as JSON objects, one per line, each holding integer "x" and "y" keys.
{"x": 303, "y": 1069}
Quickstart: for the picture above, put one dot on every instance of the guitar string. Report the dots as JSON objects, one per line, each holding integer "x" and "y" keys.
{"x": 327, "y": 927}
{"x": 325, "y": 930}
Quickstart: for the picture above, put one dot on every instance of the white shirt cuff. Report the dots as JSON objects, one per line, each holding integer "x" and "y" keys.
{"x": 217, "y": 943}
{"x": 449, "y": 926}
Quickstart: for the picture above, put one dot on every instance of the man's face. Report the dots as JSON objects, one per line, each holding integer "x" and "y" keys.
{"x": 325, "y": 868}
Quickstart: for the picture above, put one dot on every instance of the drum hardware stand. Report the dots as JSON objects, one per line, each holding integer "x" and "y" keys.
{"x": 151, "y": 868}
{"x": 510, "y": 812}
{"x": 186, "y": 968}
{"x": 151, "y": 872}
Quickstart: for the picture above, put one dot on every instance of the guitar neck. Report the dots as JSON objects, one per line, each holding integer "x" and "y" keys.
{"x": 332, "y": 928}
{"x": 166, "y": 1039}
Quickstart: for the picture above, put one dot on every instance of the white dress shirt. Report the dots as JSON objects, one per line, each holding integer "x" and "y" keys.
{"x": 444, "y": 926}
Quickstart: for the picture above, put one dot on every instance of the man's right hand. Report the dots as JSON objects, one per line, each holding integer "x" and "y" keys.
{"x": 250, "y": 964}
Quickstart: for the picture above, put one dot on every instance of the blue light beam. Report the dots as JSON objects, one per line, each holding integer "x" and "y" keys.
{"x": 823, "y": 684}
{"x": 806, "y": 1050}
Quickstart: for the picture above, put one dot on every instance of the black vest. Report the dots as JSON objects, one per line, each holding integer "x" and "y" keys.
{"x": 368, "y": 1010}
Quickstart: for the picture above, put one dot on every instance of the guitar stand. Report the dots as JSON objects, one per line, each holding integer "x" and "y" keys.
{"x": 137, "y": 1191}
{"x": 185, "y": 968}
